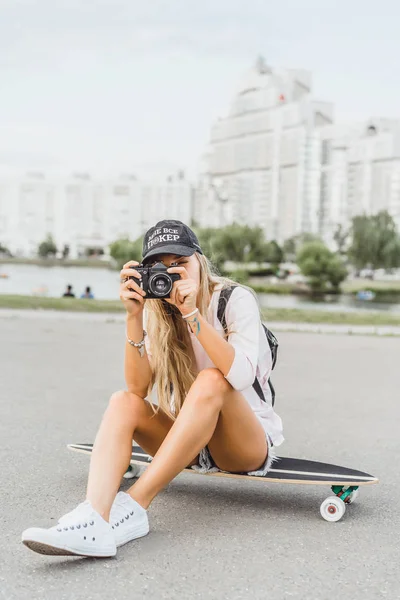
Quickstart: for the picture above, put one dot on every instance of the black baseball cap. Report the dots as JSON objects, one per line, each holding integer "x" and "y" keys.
{"x": 170, "y": 237}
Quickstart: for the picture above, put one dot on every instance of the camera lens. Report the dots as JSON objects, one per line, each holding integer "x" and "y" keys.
{"x": 160, "y": 284}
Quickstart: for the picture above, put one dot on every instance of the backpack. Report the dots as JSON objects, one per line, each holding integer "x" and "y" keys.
{"x": 272, "y": 341}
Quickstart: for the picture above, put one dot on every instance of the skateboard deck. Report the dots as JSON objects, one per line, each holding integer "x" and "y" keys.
{"x": 344, "y": 482}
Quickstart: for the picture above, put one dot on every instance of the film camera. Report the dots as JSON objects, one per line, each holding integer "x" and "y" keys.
{"x": 156, "y": 282}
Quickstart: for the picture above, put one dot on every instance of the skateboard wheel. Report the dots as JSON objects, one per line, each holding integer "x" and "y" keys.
{"x": 332, "y": 509}
{"x": 132, "y": 472}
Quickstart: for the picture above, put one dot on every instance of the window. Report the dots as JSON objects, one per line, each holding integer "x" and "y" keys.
{"x": 121, "y": 190}
{"x": 325, "y": 152}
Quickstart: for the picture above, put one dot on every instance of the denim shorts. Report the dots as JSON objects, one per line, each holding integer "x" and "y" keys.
{"x": 206, "y": 463}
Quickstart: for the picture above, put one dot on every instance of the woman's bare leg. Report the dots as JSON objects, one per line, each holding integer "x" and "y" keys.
{"x": 127, "y": 416}
{"x": 215, "y": 414}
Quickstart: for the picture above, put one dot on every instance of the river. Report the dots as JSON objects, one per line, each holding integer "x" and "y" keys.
{"x": 51, "y": 281}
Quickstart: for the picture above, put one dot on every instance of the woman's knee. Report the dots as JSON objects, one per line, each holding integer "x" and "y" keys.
{"x": 125, "y": 403}
{"x": 211, "y": 387}
{"x": 213, "y": 380}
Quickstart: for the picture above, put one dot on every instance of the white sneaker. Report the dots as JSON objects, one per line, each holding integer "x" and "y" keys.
{"x": 128, "y": 519}
{"x": 82, "y": 532}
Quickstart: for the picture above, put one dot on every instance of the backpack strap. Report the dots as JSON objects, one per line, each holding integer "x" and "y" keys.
{"x": 258, "y": 389}
{"x": 225, "y": 294}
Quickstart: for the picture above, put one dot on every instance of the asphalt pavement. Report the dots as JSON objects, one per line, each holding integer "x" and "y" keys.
{"x": 210, "y": 538}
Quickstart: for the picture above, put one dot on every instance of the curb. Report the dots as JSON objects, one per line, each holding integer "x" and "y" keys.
{"x": 381, "y": 330}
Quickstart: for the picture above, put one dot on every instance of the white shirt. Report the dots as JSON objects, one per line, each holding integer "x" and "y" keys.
{"x": 252, "y": 355}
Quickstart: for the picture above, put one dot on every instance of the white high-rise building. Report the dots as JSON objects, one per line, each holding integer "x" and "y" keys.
{"x": 83, "y": 211}
{"x": 360, "y": 173}
{"x": 172, "y": 199}
{"x": 262, "y": 167}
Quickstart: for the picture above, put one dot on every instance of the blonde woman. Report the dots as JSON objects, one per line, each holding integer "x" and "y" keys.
{"x": 208, "y": 414}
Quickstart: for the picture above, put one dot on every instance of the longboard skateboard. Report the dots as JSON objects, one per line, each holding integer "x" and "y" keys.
{"x": 344, "y": 482}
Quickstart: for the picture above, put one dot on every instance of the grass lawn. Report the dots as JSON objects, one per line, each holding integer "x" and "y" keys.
{"x": 380, "y": 287}
{"x": 290, "y": 315}
{"x": 295, "y": 315}
{"x": 275, "y": 288}
{"x": 68, "y": 304}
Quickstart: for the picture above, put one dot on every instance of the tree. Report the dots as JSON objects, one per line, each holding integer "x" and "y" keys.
{"x": 274, "y": 253}
{"x": 94, "y": 251}
{"x": 292, "y": 245}
{"x": 65, "y": 252}
{"x": 290, "y": 249}
{"x": 341, "y": 236}
{"x": 47, "y": 247}
{"x": 241, "y": 243}
{"x": 237, "y": 243}
{"x": 255, "y": 244}
{"x": 361, "y": 235}
{"x": 374, "y": 242}
{"x": 391, "y": 253}
{"x": 337, "y": 273}
{"x": 386, "y": 243}
{"x": 210, "y": 242}
{"x": 4, "y": 250}
{"x": 324, "y": 269}
{"x": 124, "y": 250}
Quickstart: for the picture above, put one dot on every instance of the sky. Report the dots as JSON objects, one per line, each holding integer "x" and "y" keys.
{"x": 116, "y": 85}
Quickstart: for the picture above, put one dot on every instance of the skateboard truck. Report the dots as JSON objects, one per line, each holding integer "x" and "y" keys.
{"x": 132, "y": 472}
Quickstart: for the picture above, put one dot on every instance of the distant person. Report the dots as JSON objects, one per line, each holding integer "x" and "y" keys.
{"x": 68, "y": 292}
{"x": 88, "y": 294}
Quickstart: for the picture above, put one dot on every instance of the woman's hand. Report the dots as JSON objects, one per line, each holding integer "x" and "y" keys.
{"x": 184, "y": 291}
{"x": 130, "y": 292}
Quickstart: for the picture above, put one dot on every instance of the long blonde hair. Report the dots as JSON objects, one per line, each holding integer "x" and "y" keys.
{"x": 172, "y": 358}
